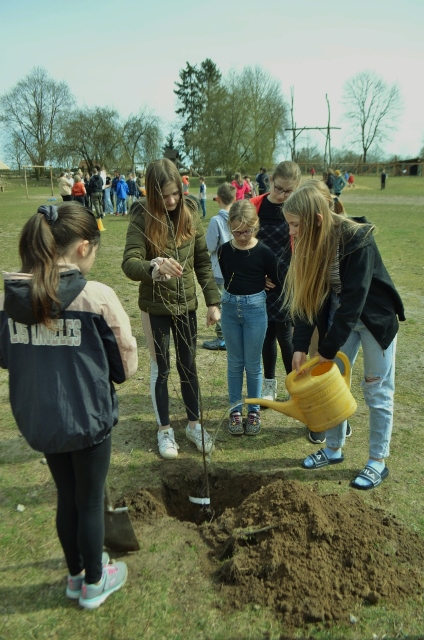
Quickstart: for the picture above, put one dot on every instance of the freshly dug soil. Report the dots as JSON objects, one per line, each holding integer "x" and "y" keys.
{"x": 279, "y": 544}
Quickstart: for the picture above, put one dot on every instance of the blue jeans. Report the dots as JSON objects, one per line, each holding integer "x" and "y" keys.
{"x": 203, "y": 205}
{"x": 108, "y": 202}
{"x": 121, "y": 205}
{"x": 244, "y": 321}
{"x": 378, "y": 386}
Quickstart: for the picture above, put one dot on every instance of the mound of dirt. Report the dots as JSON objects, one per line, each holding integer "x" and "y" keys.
{"x": 279, "y": 544}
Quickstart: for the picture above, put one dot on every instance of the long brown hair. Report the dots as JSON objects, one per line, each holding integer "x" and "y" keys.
{"x": 288, "y": 170}
{"x": 159, "y": 222}
{"x": 41, "y": 245}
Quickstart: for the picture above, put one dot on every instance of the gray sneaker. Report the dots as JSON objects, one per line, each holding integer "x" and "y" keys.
{"x": 195, "y": 435}
{"x": 253, "y": 423}
{"x": 114, "y": 577}
{"x": 168, "y": 448}
{"x": 74, "y": 586}
{"x": 235, "y": 424}
{"x": 218, "y": 344}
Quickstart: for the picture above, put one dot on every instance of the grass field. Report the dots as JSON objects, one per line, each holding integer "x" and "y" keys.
{"x": 170, "y": 593}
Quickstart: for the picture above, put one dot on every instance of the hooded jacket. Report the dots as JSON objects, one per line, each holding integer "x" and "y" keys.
{"x": 338, "y": 184}
{"x": 121, "y": 188}
{"x": 217, "y": 234}
{"x": 65, "y": 186}
{"x": 96, "y": 183}
{"x": 367, "y": 294}
{"x": 61, "y": 379}
{"x": 177, "y": 295}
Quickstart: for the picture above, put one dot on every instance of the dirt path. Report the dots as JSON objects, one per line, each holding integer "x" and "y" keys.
{"x": 417, "y": 201}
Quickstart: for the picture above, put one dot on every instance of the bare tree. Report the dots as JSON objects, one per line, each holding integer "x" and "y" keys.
{"x": 373, "y": 107}
{"x": 141, "y": 137}
{"x": 92, "y": 135}
{"x": 295, "y": 132}
{"x": 31, "y": 112}
{"x": 14, "y": 152}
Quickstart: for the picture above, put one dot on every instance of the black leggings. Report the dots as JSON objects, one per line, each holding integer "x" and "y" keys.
{"x": 184, "y": 332}
{"x": 80, "y": 478}
{"x": 282, "y": 333}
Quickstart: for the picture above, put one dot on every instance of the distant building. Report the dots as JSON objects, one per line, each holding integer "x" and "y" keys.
{"x": 413, "y": 166}
{"x": 175, "y": 157}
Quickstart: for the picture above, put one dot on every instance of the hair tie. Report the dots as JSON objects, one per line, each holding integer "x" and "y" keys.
{"x": 49, "y": 211}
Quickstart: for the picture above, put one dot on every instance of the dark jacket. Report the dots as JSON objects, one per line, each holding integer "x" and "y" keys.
{"x": 330, "y": 181}
{"x": 177, "y": 295}
{"x": 367, "y": 294}
{"x": 274, "y": 232}
{"x": 95, "y": 184}
{"x": 132, "y": 187}
{"x": 61, "y": 380}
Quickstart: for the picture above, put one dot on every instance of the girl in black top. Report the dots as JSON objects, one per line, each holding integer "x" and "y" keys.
{"x": 245, "y": 263}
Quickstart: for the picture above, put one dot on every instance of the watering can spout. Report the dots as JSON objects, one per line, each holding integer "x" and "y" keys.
{"x": 289, "y": 408}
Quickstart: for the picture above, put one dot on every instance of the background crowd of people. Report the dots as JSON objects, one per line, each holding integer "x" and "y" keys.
{"x": 100, "y": 192}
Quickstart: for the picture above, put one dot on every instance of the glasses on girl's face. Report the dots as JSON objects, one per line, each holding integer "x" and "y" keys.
{"x": 246, "y": 232}
{"x": 281, "y": 190}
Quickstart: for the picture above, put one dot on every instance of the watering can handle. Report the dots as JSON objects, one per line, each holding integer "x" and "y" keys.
{"x": 342, "y": 356}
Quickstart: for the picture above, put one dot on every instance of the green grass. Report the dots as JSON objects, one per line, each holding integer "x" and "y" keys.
{"x": 169, "y": 595}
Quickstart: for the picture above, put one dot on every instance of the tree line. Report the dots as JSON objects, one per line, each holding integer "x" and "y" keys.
{"x": 42, "y": 124}
{"x": 223, "y": 123}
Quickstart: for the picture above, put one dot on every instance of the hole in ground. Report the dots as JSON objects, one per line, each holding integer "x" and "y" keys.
{"x": 226, "y": 489}
{"x": 277, "y": 543}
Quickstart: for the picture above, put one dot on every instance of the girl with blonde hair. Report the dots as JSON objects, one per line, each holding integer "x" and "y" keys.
{"x": 245, "y": 263}
{"x": 336, "y": 265}
{"x": 241, "y": 187}
{"x": 164, "y": 251}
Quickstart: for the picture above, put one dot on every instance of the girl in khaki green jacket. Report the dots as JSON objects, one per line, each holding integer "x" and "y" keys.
{"x": 165, "y": 249}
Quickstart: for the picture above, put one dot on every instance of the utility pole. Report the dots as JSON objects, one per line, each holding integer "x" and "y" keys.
{"x": 327, "y": 130}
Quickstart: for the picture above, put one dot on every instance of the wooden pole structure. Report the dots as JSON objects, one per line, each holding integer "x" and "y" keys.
{"x": 26, "y": 183}
{"x": 51, "y": 179}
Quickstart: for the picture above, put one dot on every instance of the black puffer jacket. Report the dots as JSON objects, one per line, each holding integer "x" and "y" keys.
{"x": 367, "y": 293}
{"x": 61, "y": 380}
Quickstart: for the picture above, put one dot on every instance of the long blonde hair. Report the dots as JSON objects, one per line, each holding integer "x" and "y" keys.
{"x": 307, "y": 284}
{"x": 158, "y": 221}
{"x": 243, "y": 212}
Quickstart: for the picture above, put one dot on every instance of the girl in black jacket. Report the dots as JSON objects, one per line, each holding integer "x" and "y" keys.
{"x": 65, "y": 341}
{"x": 337, "y": 277}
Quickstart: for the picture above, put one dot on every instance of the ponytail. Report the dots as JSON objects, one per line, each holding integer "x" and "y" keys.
{"x": 44, "y": 239}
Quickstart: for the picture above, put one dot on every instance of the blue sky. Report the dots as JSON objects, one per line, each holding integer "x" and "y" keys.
{"x": 128, "y": 54}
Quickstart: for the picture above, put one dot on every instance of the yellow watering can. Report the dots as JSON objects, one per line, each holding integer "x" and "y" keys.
{"x": 320, "y": 397}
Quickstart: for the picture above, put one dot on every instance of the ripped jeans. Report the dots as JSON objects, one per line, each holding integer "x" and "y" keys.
{"x": 379, "y": 370}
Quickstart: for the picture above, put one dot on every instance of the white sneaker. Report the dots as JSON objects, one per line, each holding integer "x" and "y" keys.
{"x": 168, "y": 448}
{"x": 269, "y": 391}
{"x": 195, "y": 435}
